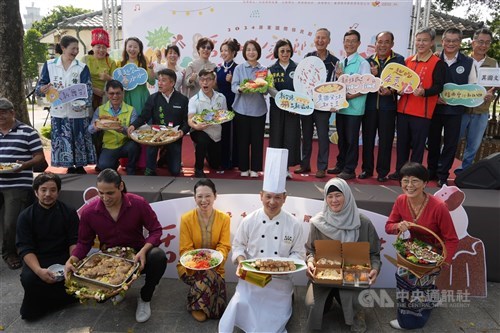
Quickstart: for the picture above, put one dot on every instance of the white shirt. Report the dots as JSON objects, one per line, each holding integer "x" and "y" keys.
{"x": 200, "y": 102}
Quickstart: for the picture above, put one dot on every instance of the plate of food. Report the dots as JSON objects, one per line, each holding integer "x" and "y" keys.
{"x": 9, "y": 167}
{"x": 213, "y": 117}
{"x": 106, "y": 122}
{"x": 156, "y": 135}
{"x": 201, "y": 259}
{"x": 260, "y": 85}
{"x": 275, "y": 265}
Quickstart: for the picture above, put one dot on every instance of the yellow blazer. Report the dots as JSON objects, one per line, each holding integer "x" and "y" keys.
{"x": 190, "y": 237}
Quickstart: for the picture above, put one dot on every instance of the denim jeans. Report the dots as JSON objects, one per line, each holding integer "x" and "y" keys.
{"x": 473, "y": 127}
{"x": 109, "y": 157}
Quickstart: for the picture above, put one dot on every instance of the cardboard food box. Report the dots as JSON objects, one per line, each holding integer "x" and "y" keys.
{"x": 356, "y": 263}
{"x": 328, "y": 261}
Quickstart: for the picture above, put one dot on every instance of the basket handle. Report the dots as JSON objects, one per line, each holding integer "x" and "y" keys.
{"x": 414, "y": 225}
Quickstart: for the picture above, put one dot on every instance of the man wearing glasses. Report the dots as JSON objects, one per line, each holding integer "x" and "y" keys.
{"x": 115, "y": 142}
{"x": 475, "y": 120}
{"x": 459, "y": 70}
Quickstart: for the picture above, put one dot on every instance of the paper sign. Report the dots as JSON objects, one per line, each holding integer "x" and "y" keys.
{"x": 293, "y": 101}
{"x": 330, "y": 96}
{"x": 310, "y": 72}
{"x": 470, "y": 95}
{"x": 489, "y": 77}
{"x": 66, "y": 95}
{"x": 130, "y": 76}
{"x": 400, "y": 77}
{"x": 357, "y": 83}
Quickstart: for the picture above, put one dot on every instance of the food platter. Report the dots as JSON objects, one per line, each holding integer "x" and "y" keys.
{"x": 213, "y": 117}
{"x": 155, "y": 135}
{"x": 108, "y": 124}
{"x": 259, "y": 85}
{"x": 201, "y": 259}
{"x": 9, "y": 167}
{"x": 274, "y": 265}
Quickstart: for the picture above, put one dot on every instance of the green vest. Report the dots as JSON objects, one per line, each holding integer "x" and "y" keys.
{"x": 115, "y": 139}
{"x": 356, "y": 105}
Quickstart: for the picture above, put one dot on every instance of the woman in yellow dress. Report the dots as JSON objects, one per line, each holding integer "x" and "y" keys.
{"x": 205, "y": 227}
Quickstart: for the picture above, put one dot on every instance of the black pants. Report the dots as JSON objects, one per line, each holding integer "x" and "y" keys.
{"x": 229, "y": 151}
{"x": 156, "y": 264}
{"x": 284, "y": 132}
{"x": 385, "y": 123}
{"x": 412, "y": 134}
{"x": 348, "y": 131}
{"x": 322, "y": 121}
{"x": 250, "y": 132}
{"x": 439, "y": 161}
{"x": 204, "y": 146}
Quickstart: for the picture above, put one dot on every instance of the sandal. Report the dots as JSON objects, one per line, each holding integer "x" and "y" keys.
{"x": 13, "y": 261}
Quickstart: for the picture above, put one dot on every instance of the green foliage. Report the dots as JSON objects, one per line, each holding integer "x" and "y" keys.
{"x": 34, "y": 53}
{"x": 494, "y": 26}
{"x": 45, "y": 131}
{"x": 57, "y": 15}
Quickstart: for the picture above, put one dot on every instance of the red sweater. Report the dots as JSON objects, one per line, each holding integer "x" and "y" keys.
{"x": 435, "y": 217}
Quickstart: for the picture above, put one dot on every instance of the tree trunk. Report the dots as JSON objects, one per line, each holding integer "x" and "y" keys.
{"x": 11, "y": 55}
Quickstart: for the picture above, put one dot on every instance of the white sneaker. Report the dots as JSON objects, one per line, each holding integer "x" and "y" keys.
{"x": 289, "y": 175}
{"x": 143, "y": 311}
{"x": 117, "y": 299}
{"x": 244, "y": 174}
{"x": 254, "y": 174}
{"x": 395, "y": 324}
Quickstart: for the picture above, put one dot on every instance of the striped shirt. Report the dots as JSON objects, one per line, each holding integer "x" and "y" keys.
{"x": 18, "y": 145}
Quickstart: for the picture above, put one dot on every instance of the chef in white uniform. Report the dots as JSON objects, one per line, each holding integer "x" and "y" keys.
{"x": 267, "y": 232}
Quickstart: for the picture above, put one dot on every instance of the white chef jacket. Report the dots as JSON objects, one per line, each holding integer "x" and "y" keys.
{"x": 256, "y": 309}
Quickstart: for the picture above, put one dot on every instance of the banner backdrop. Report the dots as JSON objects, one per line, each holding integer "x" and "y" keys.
{"x": 161, "y": 22}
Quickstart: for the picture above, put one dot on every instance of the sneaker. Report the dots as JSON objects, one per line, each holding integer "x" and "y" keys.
{"x": 288, "y": 175}
{"x": 143, "y": 311}
{"x": 149, "y": 172}
{"x": 254, "y": 174}
{"x": 244, "y": 173}
{"x": 395, "y": 324}
{"x": 359, "y": 324}
{"x": 117, "y": 299}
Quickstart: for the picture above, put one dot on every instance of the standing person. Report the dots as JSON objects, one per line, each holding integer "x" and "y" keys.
{"x": 475, "y": 120}
{"x": 415, "y": 110}
{"x": 417, "y": 206}
{"x": 265, "y": 233}
{"x": 320, "y": 119}
{"x": 339, "y": 220}
{"x": 205, "y": 228}
{"x": 119, "y": 218}
{"x": 348, "y": 120}
{"x": 166, "y": 107}
{"x": 116, "y": 143}
{"x": 206, "y": 138}
{"x": 19, "y": 143}
{"x": 251, "y": 109}
{"x": 47, "y": 232}
{"x": 284, "y": 126}
{"x": 72, "y": 146}
{"x": 204, "y": 46}
{"x": 380, "y": 112}
{"x": 228, "y": 51}
{"x": 459, "y": 70}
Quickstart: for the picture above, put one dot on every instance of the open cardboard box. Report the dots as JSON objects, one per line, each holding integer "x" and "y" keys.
{"x": 330, "y": 250}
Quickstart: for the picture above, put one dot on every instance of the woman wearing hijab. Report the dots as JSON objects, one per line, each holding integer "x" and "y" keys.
{"x": 339, "y": 220}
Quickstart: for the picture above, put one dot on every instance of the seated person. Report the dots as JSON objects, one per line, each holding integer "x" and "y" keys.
{"x": 207, "y": 228}
{"x": 115, "y": 143}
{"x": 339, "y": 220}
{"x": 118, "y": 219}
{"x": 166, "y": 107}
{"x": 206, "y": 137}
{"x": 47, "y": 232}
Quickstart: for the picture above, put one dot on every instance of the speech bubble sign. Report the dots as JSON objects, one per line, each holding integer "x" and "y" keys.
{"x": 400, "y": 77}
{"x": 66, "y": 95}
{"x": 360, "y": 83}
{"x": 489, "y": 77}
{"x": 130, "y": 76}
{"x": 470, "y": 95}
{"x": 295, "y": 102}
{"x": 310, "y": 72}
{"x": 330, "y": 96}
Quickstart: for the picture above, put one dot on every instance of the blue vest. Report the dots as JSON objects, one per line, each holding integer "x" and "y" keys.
{"x": 356, "y": 105}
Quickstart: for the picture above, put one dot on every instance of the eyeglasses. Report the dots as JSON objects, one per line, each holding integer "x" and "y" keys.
{"x": 413, "y": 182}
{"x": 483, "y": 42}
{"x": 206, "y": 47}
{"x": 115, "y": 93}
{"x": 206, "y": 79}
{"x": 285, "y": 51}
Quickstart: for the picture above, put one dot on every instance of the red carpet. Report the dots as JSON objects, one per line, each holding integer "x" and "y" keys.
{"x": 188, "y": 168}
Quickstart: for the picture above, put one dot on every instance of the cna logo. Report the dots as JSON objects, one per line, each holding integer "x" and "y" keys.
{"x": 369, "y": 297}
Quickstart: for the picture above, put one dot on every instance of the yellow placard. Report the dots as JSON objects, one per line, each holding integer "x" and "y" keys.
{"x": 400, "y": 77}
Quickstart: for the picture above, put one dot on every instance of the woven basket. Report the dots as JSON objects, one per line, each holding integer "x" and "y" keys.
{"x": 419, "y": 269}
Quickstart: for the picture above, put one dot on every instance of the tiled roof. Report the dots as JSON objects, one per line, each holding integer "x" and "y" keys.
{"x": 89, "y": 21}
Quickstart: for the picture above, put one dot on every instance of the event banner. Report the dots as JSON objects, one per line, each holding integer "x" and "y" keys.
{"x": 161, "y": 22}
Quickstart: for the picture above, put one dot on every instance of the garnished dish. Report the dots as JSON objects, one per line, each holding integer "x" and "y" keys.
{"x": 417, "y": 252}
{"x": 9, "y": 167}
{"x": 275, "y": 265}
{"x": 213, "y": 117}
{"x": 107, "y": 122}
{"x": 201, "y": 259}
{"x": 155, "y": 135}
{"x": 259, "y": 85}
